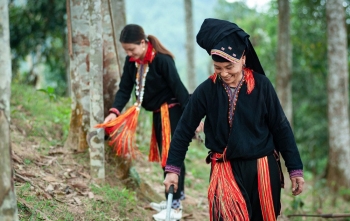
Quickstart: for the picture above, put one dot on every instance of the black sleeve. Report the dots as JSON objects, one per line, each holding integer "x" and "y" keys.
{"x": 185, "y": 130}
{"x": 281, "y": 130}
{"x": 126, "y": 86}
{"x": 168, "y": 69}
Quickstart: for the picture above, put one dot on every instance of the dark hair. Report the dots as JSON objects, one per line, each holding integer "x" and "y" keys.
{"x": 134, "y": 34}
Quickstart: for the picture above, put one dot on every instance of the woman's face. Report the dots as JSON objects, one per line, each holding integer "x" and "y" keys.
{"x": 137, "y": 51}
{"x": 230, "y": 72}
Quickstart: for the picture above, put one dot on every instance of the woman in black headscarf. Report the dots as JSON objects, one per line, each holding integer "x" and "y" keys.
{"x": 245, "y": 130}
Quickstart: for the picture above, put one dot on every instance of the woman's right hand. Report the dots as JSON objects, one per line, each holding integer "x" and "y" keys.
{"x": 171, "y": 179}
{"x": 110, "y": 117}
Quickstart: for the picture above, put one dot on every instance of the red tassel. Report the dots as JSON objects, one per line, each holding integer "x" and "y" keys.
{"x": 122, "y": 132}
{"x": 213, "y": 77}
{"x": 249, "y": 78}
{"x": 225, "y": 198}
{"x": 166, "y": 132}
{"x": 153, "y": 155}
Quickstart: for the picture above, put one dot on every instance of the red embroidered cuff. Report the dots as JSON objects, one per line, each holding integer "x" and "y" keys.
{"x": 172, "y": 169}
{"x": 114, "y": 111}
{"x": 296, "y": 173}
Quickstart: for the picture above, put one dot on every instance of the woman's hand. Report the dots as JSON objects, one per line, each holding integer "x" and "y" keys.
{"x": 297, "y": 185}
{"x": 171, "y": 179}
{"x": 110, "y": 117}
{"x": 200, "y": 127}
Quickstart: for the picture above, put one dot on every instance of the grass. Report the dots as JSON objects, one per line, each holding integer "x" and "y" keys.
{"x": 32, "y": 208}
{"x": 39, "y": 115}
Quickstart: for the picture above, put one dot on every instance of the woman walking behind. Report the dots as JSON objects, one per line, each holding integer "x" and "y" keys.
{"x": 150, "y": 70}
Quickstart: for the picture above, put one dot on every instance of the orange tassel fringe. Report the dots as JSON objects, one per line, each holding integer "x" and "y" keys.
{"x": 153, "y": 155}
{"x": 265, "y": 193}
{"x": 123, "y": 133}
{"x": 166, "y": 133}
{"x": 225, "y": 198}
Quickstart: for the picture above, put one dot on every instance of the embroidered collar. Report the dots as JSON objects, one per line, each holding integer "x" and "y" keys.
{"x": 249, "y": 79}
{"x": 149, "y": 56}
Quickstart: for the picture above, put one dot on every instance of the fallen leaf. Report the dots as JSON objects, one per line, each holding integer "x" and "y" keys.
{"x": 57, "y": 151}
{"x": 99, "y": 198}
{"x": 50, "y": 179}
{"x": 87, "y": 176}
{"x": 77, "y": 200}
{"x": 26, "y": 174}
{"x": 79, "y": 185}
{"x": 91, "y": 195}
{"x": 49, "y": 188}
{"x": 16, "y": 158}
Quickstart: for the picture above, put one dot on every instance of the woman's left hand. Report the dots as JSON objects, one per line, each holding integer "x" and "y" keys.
{"x": 297, "y": 185}
{"x": 200, "y": 127}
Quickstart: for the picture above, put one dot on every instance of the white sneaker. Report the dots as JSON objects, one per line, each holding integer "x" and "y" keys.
{"x": 175, "y": 214}
{"x": 158, "y": 206}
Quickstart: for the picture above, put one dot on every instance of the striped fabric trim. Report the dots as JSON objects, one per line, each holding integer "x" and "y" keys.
{"x": 172, "y": 169}
{"x": 265, "y": 193}
{"x": 296, "y": 173}
{"x": 224, "y": 55}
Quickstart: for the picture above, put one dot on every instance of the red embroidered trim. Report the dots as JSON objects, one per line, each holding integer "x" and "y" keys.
{"x": 169, "y": 106}
{"x": 149, "y": 56}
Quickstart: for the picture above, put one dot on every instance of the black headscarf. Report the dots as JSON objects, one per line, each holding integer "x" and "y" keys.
{"x": 226, "y": 39}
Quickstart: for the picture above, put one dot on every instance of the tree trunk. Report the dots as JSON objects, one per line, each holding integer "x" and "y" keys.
{"x": 191, "y": 70}
{"x": 284, "y": 60}
{"x": 8, "y": 203}
{"x": 79, "y": 69}
{"x": 119, "y": 21}
{"x": 113, "y": 23}
{"x": 338, "y": 171}
{"x": 97, "y": 162}
{"x": 111, "y": 70}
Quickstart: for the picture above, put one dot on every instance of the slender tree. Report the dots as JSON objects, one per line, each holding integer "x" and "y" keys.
{"x": 114, "y": 57}
{"x": 79, "y": 21}
{"x": 284, "y": 59}
{"x": 97, "y": 152}
{"x": 8, "y": 203}
{"x": 338, "y": 173}
{"x": 191, "y": 73}
{"x": 117, "y": 8}
{"x": 111, "y": 70}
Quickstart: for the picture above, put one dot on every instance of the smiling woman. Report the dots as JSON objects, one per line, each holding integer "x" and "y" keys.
{"x": 245, "y": 129}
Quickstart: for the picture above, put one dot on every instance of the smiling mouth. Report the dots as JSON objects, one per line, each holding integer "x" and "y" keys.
{"x": 227, "y": 78}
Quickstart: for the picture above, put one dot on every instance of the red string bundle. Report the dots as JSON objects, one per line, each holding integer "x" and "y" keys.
{"x": 224, "y": 195}
{"x": 122, "y": 132}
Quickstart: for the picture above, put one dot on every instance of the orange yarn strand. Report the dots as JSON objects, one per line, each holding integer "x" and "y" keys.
{"x": 166, "y": 132}
{"x": 153, "y": 155}
{"x": 265, "y": 193}
{"x": 123, "y": 133}
{"x": 225, "y": 198}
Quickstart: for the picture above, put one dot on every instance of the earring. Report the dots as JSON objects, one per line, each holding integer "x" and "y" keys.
{"x": 243, "y": 65}
{"x": 143, "y": 48}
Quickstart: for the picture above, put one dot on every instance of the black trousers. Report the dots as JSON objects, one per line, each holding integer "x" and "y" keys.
{"x": 174, "y": 115}
{"x": 246, "y": 175}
